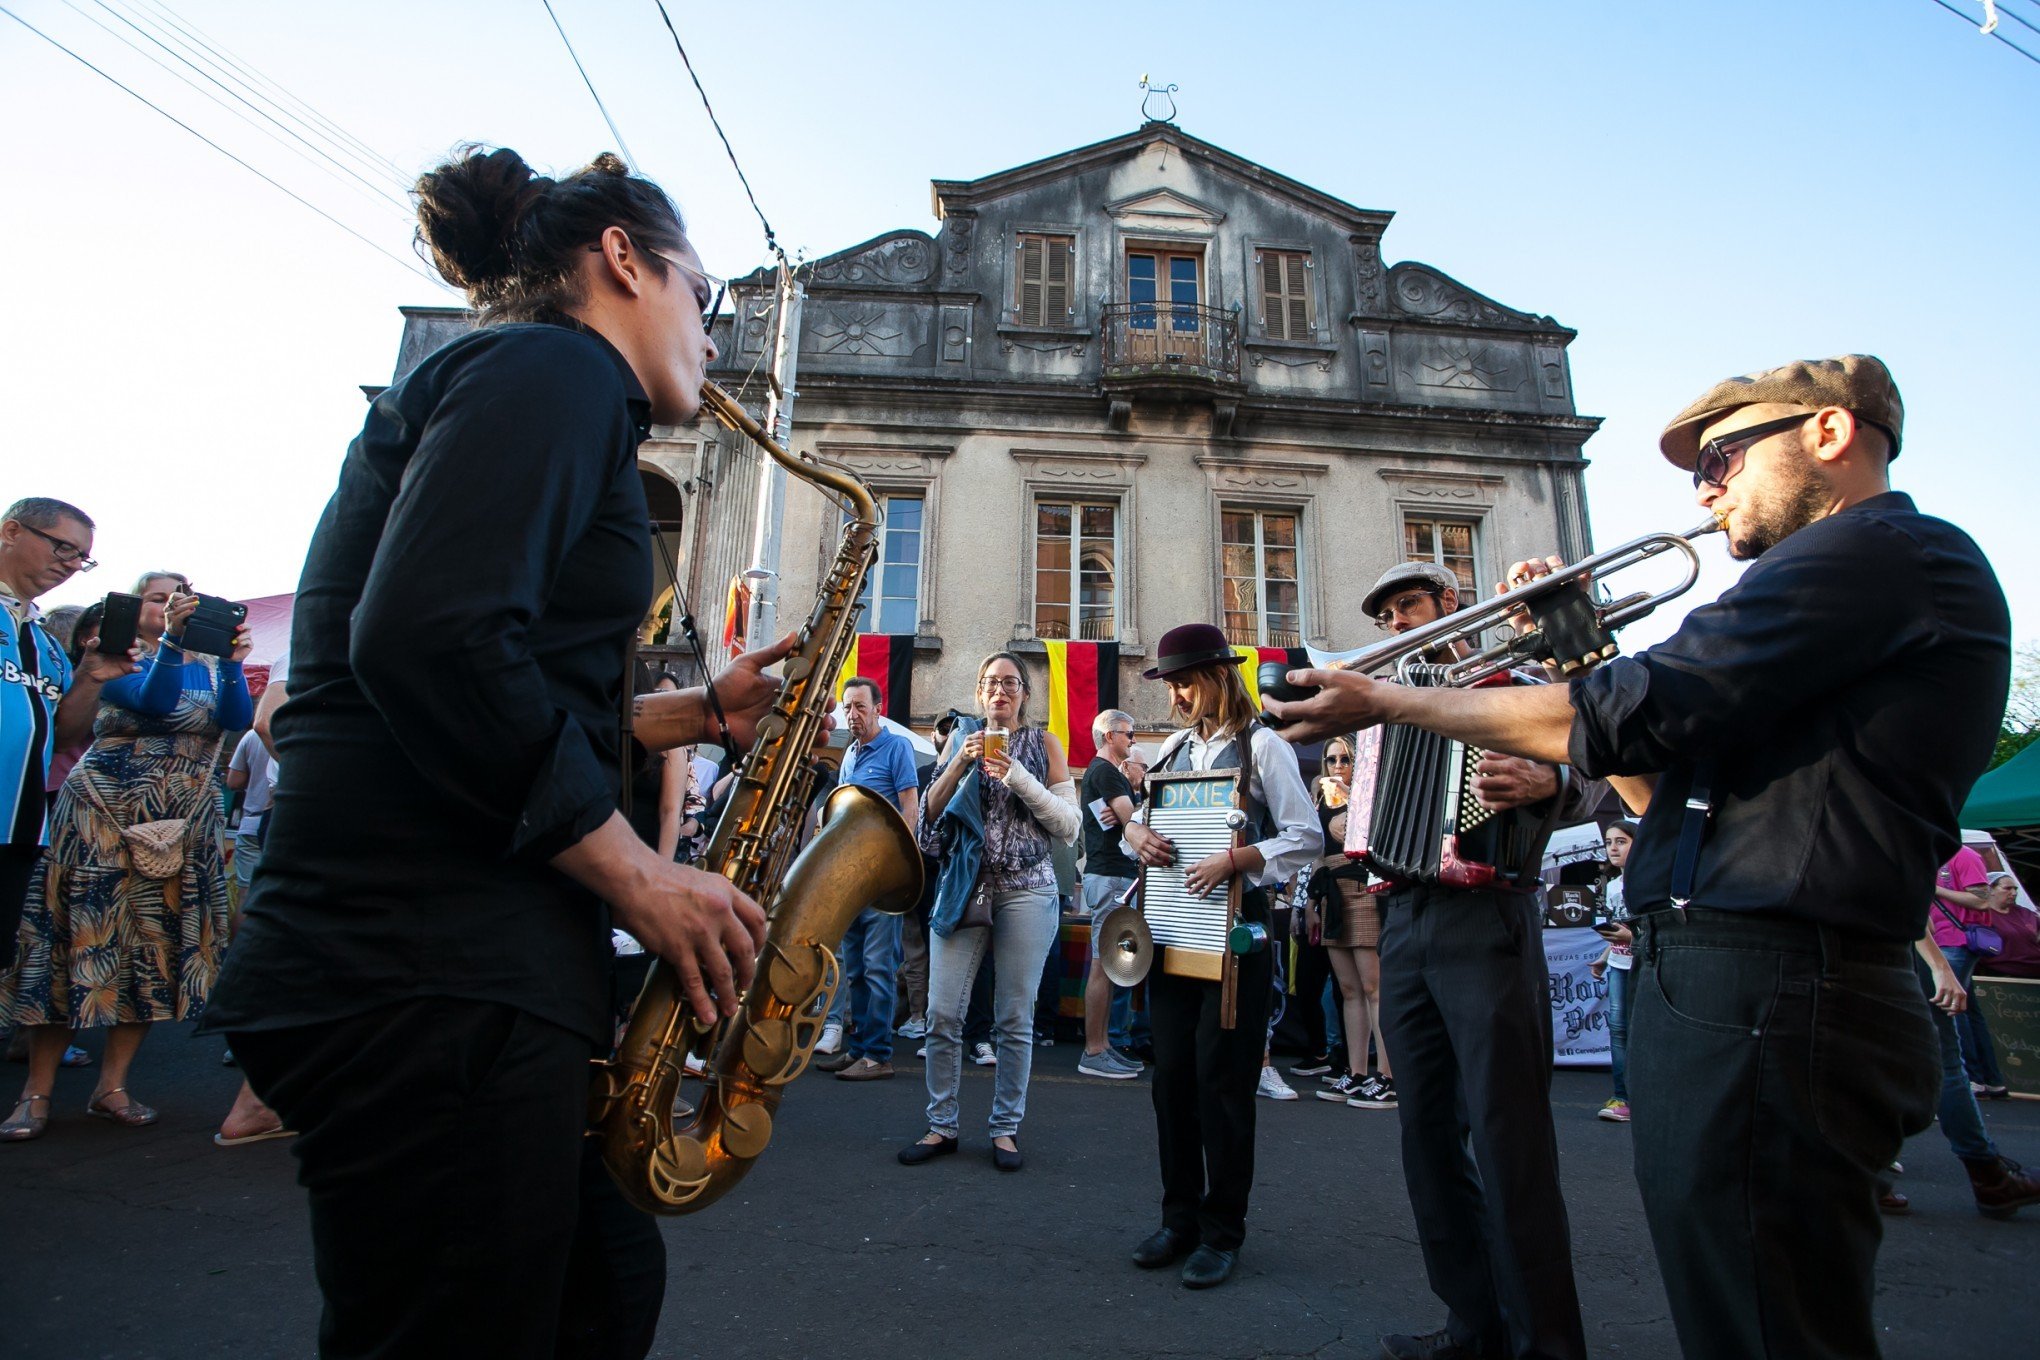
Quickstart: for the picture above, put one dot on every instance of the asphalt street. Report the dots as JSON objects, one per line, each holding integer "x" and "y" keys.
{"x": 154, "y": 1243}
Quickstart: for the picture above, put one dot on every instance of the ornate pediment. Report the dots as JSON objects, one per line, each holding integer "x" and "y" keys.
{"x": 1165, "y": 210}
{"x": 904, "y": 259}
{"x": 1421, "y": 291}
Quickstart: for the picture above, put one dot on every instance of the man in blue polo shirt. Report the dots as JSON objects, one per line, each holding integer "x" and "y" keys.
{"x": 882, "y": 760}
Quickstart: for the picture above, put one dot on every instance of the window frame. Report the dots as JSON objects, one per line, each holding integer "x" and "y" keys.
{"x": 874, "y": 578}
{"x": 1228, "y": 505}
{"x": 1077, "y": 501}
{"x": 1050, "y": 248}
{"x": 1475, "y": 524}
{"x": 1257, "y": 257}
{"x": 1080, "y": 320}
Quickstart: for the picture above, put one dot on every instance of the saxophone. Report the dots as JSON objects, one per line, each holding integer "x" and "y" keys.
{"x": 863, "y": 855}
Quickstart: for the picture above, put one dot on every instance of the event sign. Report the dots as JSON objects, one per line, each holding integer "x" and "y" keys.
{"x": 1579, "y": 1000}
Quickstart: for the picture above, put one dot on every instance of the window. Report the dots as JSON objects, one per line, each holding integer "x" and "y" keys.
{"x": 1450, "y": 543}
{"x": 1045, "y": 280}
{"x": 1169, "y": 283}
{"x": 1287, "y": 308}
{"x": 1259, "y": 590}
{"x": 892, "y": 588}
{"x": 1076, "y": 578}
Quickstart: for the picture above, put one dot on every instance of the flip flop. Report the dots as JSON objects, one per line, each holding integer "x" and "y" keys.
{"x": 75, "y": 1056}
{"x": 221, "y": 1140}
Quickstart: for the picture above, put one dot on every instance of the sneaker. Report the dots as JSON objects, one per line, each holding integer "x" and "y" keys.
{"x": 832, "y": 1038}
{"x": 1313, "y": 1067}
{"x": 694, "y": 1066}
{"x": 1614, "y": 1111}
{"x": 1044, "y": 1041}
{"x": 1106, "y": 1064}
{"x": 981, "y": 1054}
{"x": 1375, "y": 1093}
{"x": 1125, "y": 1057}
{"x": 1340, "y": 1089}
{"x": 1437, "y": 1345}
{"x": 1337, "y": 1074}
{"x": 1994, "y": 1093}
{"x": 915, "y": 1028}
{"x": 1273, "y": 1087}
{"x": 921, "y": 1052}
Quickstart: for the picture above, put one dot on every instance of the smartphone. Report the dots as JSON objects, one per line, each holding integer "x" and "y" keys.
{"x": 120, "y": 614}
{"x": 1608, "y": 928}
{"x": 211, "y": 627}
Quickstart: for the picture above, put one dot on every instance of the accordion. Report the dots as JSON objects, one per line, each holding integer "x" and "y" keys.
{"x": 1412, "y": 816}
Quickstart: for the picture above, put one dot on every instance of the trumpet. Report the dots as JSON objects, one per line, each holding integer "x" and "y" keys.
{"x": 1570, "y": 628}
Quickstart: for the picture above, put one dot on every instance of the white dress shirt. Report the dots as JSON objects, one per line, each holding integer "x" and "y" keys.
{"x": 1275, "y": 782}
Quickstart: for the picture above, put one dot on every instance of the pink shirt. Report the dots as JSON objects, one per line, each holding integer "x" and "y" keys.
{"x": 1964, "y": 873}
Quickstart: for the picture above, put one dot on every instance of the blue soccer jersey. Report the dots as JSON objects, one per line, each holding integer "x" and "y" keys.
{"x": 34, "y": 673}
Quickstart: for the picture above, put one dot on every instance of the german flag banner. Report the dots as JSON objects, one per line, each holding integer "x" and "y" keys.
{"x": 889, "y": 660}
{"x": 1083, "y": 681}
{"x": 1296, "y": 658}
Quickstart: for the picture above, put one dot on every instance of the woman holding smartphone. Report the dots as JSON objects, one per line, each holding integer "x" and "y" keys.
{"x": 104, "y": 942}
{"x": 1019, "y": 779}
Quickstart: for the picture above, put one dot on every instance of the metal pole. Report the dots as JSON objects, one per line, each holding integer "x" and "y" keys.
{"x": 771, "y": 523}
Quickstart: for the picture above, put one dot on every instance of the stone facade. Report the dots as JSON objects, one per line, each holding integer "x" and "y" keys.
{"x": 1158, "y": 329}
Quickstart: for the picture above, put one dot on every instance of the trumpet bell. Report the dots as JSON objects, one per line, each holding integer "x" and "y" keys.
{"x": 1126, "y": 948}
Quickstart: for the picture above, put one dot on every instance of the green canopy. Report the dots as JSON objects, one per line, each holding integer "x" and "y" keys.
{"x": 2008, "y": 796}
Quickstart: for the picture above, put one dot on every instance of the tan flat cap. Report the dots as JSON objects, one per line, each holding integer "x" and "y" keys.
{"x": 1858, "y": 383}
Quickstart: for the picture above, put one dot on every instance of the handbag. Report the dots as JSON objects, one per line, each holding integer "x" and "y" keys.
{"x": 1976, "y": 939}
{"x": 156, "y": 849}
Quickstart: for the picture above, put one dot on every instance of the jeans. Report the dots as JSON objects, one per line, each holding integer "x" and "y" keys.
{"x": 457, "y": 1207}
{"x": 1961, "y": 1120}
{"x": 865, "y": 998}
{"x": 1101, "y": 895}
{"x": 1979, "y": 1051}
{"x": 1618, "y": 1028}
{"x": 247, "y": 854}
{"x": 1023, "y": 927}
{"x": 1778, "y": 1066}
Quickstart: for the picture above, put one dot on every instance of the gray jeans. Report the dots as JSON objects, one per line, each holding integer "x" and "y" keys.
{"x": 1023, "y": 927}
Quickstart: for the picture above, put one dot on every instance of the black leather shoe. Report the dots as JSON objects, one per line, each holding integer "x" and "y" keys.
{"x": 1007, "y": 1161}
{"x": 1437, "y": 1345}
{"x": 1164, "y": 1248}
{"x": 1208, "y": 1266}
{"x": 913, "y": 1154}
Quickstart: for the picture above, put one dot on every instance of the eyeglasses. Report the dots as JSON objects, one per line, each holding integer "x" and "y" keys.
{"x": 62, "y": 548}
{"x": 1403, "y": 604}
{"x": 708, "y": 297}
{"x": 1338, "y": 760}
{"x": 1721, "y": 456}
{"x": 1009, "y": 684}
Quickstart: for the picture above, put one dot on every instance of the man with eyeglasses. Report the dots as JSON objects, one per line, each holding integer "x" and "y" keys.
{"x": 1108, "y": 872}
{"x": 1801, "y": 748}
{"x": 43, "y": 705}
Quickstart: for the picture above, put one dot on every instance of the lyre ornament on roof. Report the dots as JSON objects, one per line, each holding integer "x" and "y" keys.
{"x": 1154, "y": 92}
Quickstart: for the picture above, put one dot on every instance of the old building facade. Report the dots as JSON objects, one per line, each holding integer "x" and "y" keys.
{"x": 1133, "y": 385}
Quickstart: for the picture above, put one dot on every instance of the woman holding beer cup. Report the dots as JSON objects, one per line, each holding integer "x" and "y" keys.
{"x": 1020, "y": 779}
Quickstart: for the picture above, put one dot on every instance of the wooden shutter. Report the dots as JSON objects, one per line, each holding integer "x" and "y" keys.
{"x": 1032, "y": 250}
{"x": 1055, "y": 290}
{"x": 1285, "y": 295}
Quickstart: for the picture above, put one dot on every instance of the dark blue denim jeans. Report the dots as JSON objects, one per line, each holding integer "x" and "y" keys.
{"x": 1979, "y": 1050}
{"x": 1961, "y": 1120}
{"x": 871, "y": 966}
{"x": 1619, "y": 986}
{"x": 1777, "y": 1067}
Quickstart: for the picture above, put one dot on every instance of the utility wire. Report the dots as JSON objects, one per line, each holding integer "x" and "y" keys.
{"x": 365, "y": 240}
{"x": 613, "y": 131}
{"x": 2029, "y": 56}
{"x": 191, "y": 37}
{"x": 2012, "y": 14}
{"x": 313, "y": 158}
{"x": 771, "y": 239}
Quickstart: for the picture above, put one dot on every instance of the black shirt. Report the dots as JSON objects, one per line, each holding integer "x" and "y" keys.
{"x": 1848, "y": 691}
{"x": 457, "y": 668}
{"x": 1105, "y": 847}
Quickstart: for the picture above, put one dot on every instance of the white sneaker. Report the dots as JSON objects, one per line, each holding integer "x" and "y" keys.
{"x": 695, "y": 1066}
{"x": 831, "y": 1040}
{"x": 915, "y": 1028}
{"x": 981, "y": 1054}
{"x": 1273, "y": 1087}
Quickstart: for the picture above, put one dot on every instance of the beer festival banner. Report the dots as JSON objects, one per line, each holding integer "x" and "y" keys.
{"x": 1579, "y": 1000}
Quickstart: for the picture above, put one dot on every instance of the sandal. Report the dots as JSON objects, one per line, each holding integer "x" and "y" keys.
{"x": 275, "y": 1131}
{"x": 130, "y": 1112}
{"x": 25, "y": 1123}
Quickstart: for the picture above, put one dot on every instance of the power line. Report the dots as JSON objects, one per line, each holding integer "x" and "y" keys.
{"x": 371, "y": 243}
{"x": 771, "y": 239}
{"x": 2005, "y": 11}
{"x": 2029, "y": 56}
{"x": 613, "y": 131}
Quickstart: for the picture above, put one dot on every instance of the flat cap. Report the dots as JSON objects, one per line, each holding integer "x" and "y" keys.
{"x": 1858, "y": 383}
{"x": 1426, "y": 575}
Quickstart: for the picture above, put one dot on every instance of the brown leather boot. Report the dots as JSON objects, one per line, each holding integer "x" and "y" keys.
{"x": 2001, "y": 1185}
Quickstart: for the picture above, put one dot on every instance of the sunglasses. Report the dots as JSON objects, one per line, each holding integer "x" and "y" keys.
{"x": 1721, "y": 456}
{"x": 1338, "y": 760}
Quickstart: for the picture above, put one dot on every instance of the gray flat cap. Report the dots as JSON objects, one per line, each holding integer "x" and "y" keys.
{"x": 1423, "y": 575}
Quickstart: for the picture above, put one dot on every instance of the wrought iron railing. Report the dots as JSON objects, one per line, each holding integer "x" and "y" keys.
{"x": 1171, "y": 338}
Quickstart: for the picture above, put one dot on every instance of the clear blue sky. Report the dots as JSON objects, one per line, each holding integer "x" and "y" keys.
{"x": 1698, "y": 189}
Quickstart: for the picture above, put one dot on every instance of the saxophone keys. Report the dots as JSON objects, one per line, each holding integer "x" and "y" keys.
{"x": 793, "y": 978}
{"x": 795, "y": 667}
{"x": 768, "y": 1049}
{"x": 747, "y": 1128}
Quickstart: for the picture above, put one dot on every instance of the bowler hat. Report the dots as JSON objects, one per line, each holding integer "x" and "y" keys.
{"x": 1858, "y": 383}
{"x": 1188, "y": 646}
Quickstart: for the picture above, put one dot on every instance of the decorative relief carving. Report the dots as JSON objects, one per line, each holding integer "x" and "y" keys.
{"x": 870, "y": 330}
{"x": 1551, "y": 364}
{"x": 1367, "y": 278}
{"x": 1469, "y": 366}
{"x": 955, "y": 335}
{"x": 754, "y": 315}
{"x": 1419, "y": 491}
{"x": 1288, "y": 359}
{"x": 1422, "y": 291}
{"x": 1458, "y": 489}
{"x": 956, "y": 244}
{"x": 900, "y": 260}
{"x": 1074, "y": 348}
{"x": 1377, "y": 377}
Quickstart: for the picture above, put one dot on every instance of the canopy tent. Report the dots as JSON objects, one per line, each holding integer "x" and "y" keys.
{"x": 2008, "y": 795}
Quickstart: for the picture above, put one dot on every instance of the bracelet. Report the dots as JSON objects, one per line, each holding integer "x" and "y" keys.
{"x": 722, "y": 724}
{"x": 1231, "y": 862}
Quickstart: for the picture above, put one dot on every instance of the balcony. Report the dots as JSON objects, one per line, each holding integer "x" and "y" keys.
{"x": 1172, "y": 352}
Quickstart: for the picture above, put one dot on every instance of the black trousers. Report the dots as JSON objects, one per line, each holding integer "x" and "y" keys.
{"x": 1466, "y": 1011}
{"x": 457, "y": 1208}
{"x": 17, "y": 870}
{"x": 1204, "y": 1083}
{"x": 1775, "y": 1067}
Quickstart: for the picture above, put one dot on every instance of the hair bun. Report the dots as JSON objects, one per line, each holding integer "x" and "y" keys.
{"x": 469, "y": 213}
